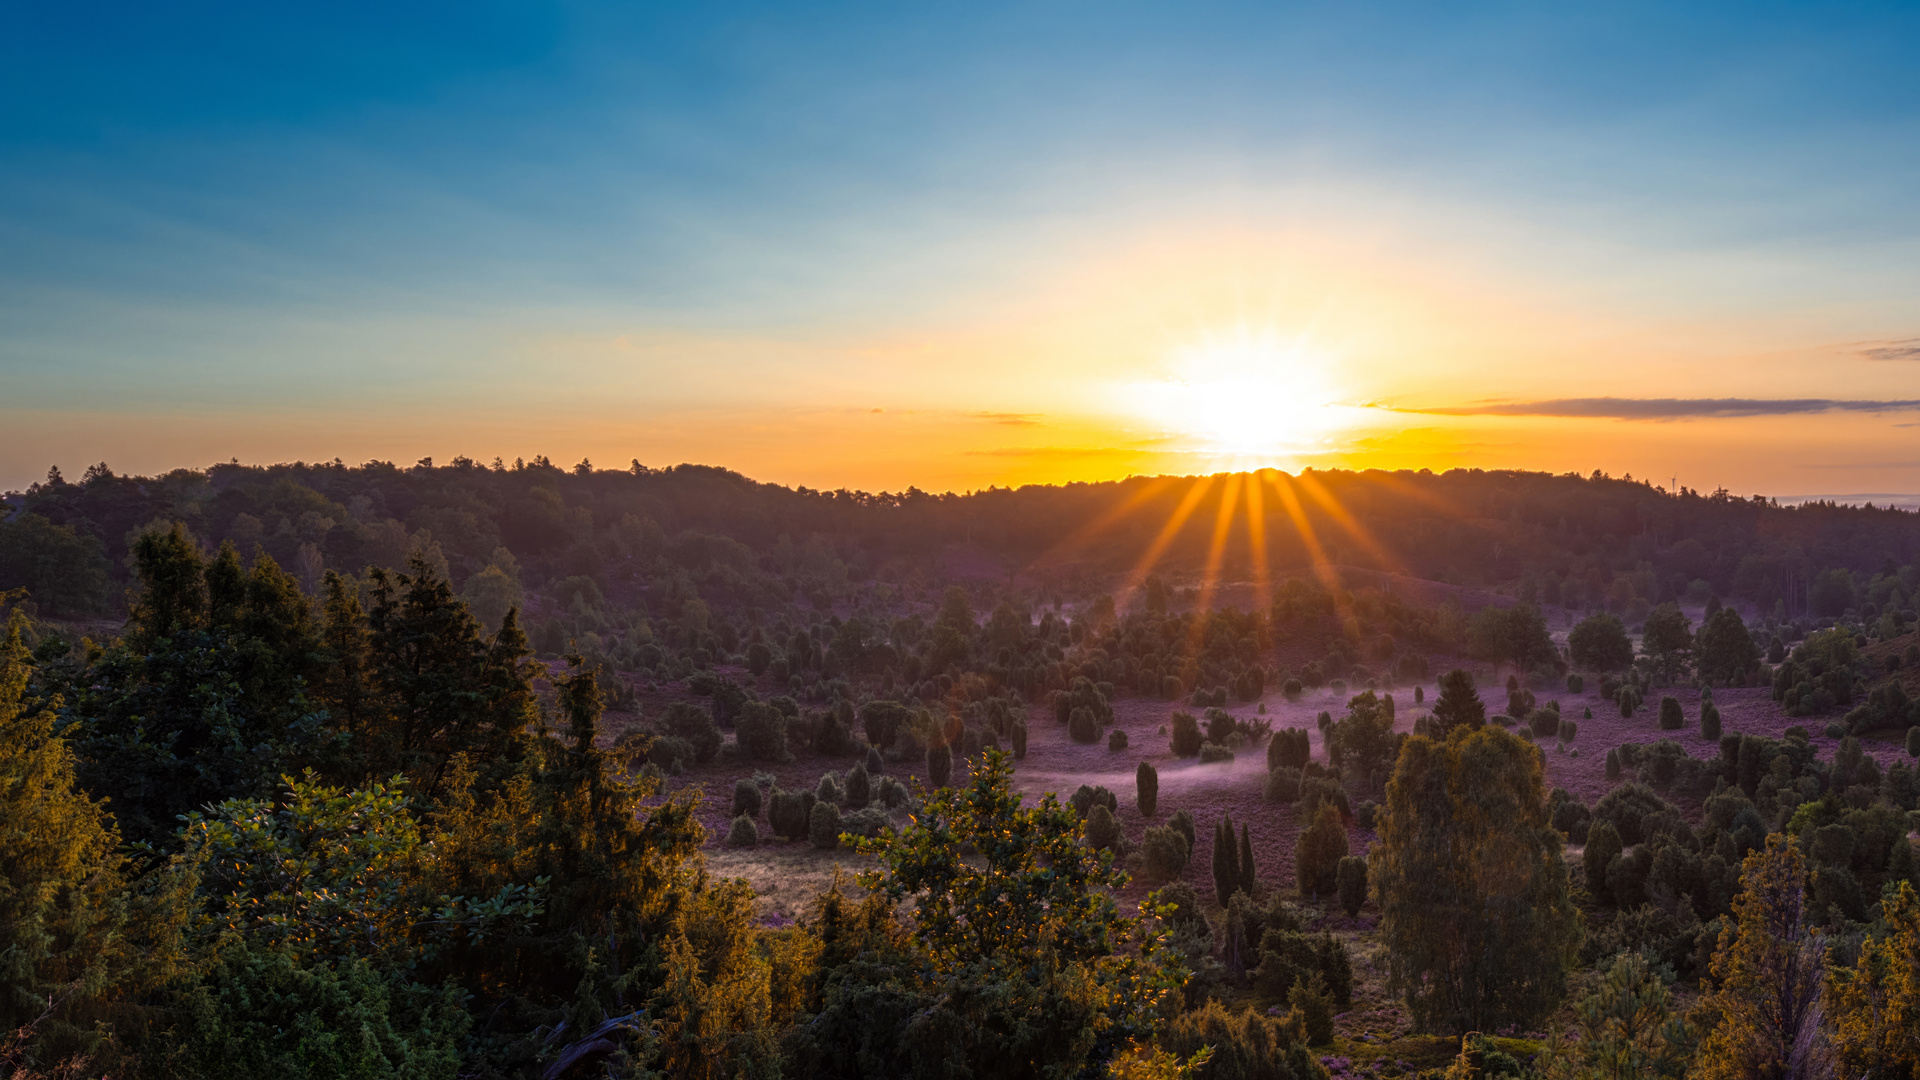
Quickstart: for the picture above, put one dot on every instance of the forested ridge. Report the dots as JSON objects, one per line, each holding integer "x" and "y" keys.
{"x": 379, "y": 771}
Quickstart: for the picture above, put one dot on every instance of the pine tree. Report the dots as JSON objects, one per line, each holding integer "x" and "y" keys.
{"x": 1875, "y": 1006}
{"x": 1459, "y": 704}
{"x": 1763, "y": 1016}
{"x": 61, "y": 872}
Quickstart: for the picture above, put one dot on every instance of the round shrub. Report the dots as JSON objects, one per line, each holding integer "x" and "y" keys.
{"x": 743, "y": 832}
{"x": 1569, "y": 729}
{"x": 1087, "y": 797}
{"x": 1351, "y": 883}
{"x": 1214, "y": 752}
{"x": 1163, "y": 854}
{"x": 1116, "y": 739}
{"x": 1836, "y": 731}
{"x": 1083, "y": 726}
{"x": 1283, "y": 784}
{"x": 940, "y": 765}
{"x": 867, "y": 823}
{"x": 746, "y": 797}
{"x": 1146, "y": 787}
{"x": 1576, "y": 683}
{"x": 1182, "y": 822}
{"x": 787, "y": 814}
{"x": 1101, "y": 829}
{"x": 1291, "y": 689}
{"x": 828, "y": 790}
{"x": 1545, "y": 723}
{"x": 1367, "y": 813}
{"x": 893, "y": 793}
{"x": 1671, "y": 718}
{"x": 1185, "y": 738}
{"x": 823, "y": 826}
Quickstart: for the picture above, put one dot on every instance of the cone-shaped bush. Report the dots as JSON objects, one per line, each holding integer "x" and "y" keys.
{"x": 859, "y": 791}
{"x": 1226, "y": 861}
{"x": 1352, "y": 884}
{"x": 940, "y": 765}
{"x": 823, "y": 826}
{"x": 1146, "y": 785}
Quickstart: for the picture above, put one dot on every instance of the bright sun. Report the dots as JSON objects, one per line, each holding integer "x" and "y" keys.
{"x": 1246, "y": 393}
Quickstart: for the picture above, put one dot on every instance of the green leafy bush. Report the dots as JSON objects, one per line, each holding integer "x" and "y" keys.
{"x": 823, "y": 826}
{"x": 743, "y": 832}
{"x": 1351, "y": 883}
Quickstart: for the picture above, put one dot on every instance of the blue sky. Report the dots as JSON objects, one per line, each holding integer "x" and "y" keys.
{"x": 218, "y": 213}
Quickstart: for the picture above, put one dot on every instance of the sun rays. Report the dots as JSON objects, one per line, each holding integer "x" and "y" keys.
{"x": 1259, "y": 521}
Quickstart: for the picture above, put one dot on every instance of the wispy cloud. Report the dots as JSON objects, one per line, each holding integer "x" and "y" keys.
{"x": 1612, "y": 408}
{"x": 1908, "y": 349}
{"x": 1011, "y": 419}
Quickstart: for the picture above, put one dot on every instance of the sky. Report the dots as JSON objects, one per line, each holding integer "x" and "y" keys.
{"x": 953, "y": 246}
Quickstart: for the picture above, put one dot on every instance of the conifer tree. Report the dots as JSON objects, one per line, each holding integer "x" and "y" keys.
{"x": 1249, "y": 877}
{"x": 1473, "y": 894}
{"x": 1763, "y": 1016}
{"x": 1146, "y": 784}
{"x": 1875, "y": 1006}
{"x": 60, "y": 869}
{"x": 1459, "y": 704}
{"x": 1226, "y": 861}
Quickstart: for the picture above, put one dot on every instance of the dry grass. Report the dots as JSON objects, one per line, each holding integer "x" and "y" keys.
{"x": 788, "y": 876}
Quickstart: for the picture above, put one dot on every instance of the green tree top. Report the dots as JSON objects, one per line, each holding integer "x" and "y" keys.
{"x": 1668, "y": 637}
{"x": 1600, "y": 643}
{"x": 1035, "y": 909}
{"x": 1474, "y": 899}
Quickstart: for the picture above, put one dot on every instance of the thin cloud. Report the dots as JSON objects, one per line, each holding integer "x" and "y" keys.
{"x": 1047, "y": 451}
{"x": 1908, "y": 349}
{"x": 1612, "y": 408}
{"x": 1011, "y": 419}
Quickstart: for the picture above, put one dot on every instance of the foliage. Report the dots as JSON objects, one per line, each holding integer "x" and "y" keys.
{"x": 1245, "y": 1045}
{"x": 333, "y": 873}
{"x": 1363, "y": 743}
{"x": 1146, "y": 787}
{"x": 1185, "y": 737}
{"x": 1723, "y": 648}
{"x": 743, "y": 832}
{"x": 1163, "y": 854}
{"x": 1875, "y": 1005}
{"x": 1600, "y": 643}
{"x": 1473, "y": 895}
{"x": 1629, "y": 1029}
{"x": 1351, "y": 882}
{"x": 1667, "y": 636}
{"x": 823, "y": 826}
{"x": 1458, "y": 705}
{"x": 761, "y": 730}
{"x": 1762, "y": 1017}
{"x": 1021, "y": 954}
{"x": 1322, "y": 845}
{"x": 261, "y": 1012}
